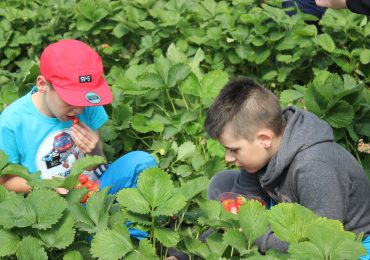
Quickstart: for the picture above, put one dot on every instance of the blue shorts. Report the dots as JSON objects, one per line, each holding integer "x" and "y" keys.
{"x": 366, "y": 244}
{"x": 123, "y": 173}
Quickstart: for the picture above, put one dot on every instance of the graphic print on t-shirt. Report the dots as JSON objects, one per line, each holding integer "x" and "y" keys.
{"x": 56, "y": 154}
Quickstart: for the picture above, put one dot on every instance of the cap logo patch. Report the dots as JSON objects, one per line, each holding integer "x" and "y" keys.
{"x": 93, "y": 98}
{"x": 85, "y": 78}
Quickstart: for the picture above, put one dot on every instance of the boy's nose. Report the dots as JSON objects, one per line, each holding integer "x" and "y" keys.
{"x": 229, "y": 158}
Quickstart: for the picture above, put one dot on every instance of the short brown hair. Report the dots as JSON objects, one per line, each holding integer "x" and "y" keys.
{"x": 247, "y": 107}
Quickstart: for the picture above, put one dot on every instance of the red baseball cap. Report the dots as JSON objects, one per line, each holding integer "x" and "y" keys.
{"x": 76, "y": 72}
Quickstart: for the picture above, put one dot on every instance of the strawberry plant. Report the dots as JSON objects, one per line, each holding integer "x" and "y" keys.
{"x": 165, "y": 62}
{"x": 341, "y": 101}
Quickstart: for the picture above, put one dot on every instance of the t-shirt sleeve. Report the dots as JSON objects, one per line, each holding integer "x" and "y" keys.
{"x": 359, "y": 6}
{"x": 96, "y": 117}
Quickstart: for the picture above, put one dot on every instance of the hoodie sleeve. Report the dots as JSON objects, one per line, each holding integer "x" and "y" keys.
{"x": 359, "y": 6}
{"x": 270, "y": 241}
{"x": 317, "y": 187}
{"x": 320, "y": 188}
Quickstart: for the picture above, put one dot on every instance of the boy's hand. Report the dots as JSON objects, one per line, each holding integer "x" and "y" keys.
{"x": 85, "y": 138}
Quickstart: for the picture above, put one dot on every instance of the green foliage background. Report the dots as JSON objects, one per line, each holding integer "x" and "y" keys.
{"x": 166, "y": 60}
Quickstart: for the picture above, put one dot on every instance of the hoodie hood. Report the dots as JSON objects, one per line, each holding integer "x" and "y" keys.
{"x": 303, "y": 130}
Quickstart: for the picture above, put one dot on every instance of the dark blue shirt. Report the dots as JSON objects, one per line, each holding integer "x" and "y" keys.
{"x": 306, "y": 6}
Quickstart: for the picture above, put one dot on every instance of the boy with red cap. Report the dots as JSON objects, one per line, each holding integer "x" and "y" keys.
{"x": 37, "y": 131}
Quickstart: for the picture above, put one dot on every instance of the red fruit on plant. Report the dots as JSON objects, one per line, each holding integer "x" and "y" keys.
{"x": 83, "y": 178}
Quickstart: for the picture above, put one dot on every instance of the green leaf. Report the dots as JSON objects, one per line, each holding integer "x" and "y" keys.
{"x": 197, "y": 247}
{"x": 184, "y": 170}
{"x": 162, "y": 66}
{"x": 167, "y": 237}
{"x": 16, "y": 212}
{"x": 325, "y": 41}
{"x": 141, "y": 124}
{"x": 215, "y": 148}
{"x": 191, "y": 86}
{"x": 365, "y": 56}
{"x": 262, "y": 55}
{"x": 348, "y": 249}
{"x": 194, "y": 64}
{"x": 17, "y": 170}
{"x": 111, "y": 244}
{"x": 167, "y": 18}
{"x": 73, "y": 255}
{"x": 156, "y": 186}
{"x": 177, "y": 73}
{"x": 3, "y": 159}
{"x": 121, "y": 116}
{"x": 330, "y": 238}
{"x": 197, "y": 161}
{"x": 314, "y": 101}
{"x": 340, "y": 115}
{"x": 60, "y": 235}
{"x": 151, "y": 80}
{"x": 76, "y": 208}
{"x": 144, "y": 220}
{"x": 216, "y": 244}
{"x": 132, "y": 199}
{"x": 253, "y": 220}
{"x": 186, "y": 151}
{"x": 3, "y": 193}
{"x": 96, "y": 205}
{"x": 305, "y": 250}
{"x": 289, "y": 96}
{"x": 175, "y": 55}
{"x": 289, "y": 221}
{"x": 212, "y": 209}
{"x": 171, "y": 206}
{"x": 192, "y": 188}
{"x": 30, "y": 248}
{"x": 212, "y": 83}
{"x": 48, "y": 206}
{"x": 146, "y": 252}
{"x": 9, "y": 243}
{"x": 92, "y": 11}
{"x": 236, "y": 239}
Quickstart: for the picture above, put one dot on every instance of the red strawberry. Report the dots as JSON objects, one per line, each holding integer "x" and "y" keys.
{"x": 89, "y": 185}
{"x": 74, "y": 119}
{"x": 83, "y": 178}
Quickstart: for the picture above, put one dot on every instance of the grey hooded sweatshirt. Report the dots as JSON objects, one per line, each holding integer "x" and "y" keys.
{"x": 314, "y": 171}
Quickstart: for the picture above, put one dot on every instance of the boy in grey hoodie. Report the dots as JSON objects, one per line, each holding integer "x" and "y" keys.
{"x": 286, "y": 156}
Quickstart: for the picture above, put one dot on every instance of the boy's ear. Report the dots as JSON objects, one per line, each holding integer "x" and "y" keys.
{"x": 41, "y": 84}
{"x": 264, "y": 137}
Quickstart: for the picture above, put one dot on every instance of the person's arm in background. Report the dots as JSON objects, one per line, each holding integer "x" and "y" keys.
{"x": 356, "y": 6}
{"x": 336, "y": 4}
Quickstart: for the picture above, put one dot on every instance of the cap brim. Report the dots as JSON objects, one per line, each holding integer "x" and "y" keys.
{"x": 99, "y": 96}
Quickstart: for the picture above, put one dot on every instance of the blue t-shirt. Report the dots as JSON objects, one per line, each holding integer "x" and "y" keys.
{"x": 39, "y": 142}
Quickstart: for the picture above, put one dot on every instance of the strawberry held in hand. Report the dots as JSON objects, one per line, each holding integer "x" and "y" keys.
{"x": 74, "y": 119}
{"x": 92, "y": 186}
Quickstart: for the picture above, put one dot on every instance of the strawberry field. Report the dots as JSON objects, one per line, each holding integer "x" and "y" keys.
{"x": 165, "y": 62}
